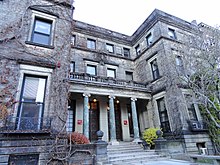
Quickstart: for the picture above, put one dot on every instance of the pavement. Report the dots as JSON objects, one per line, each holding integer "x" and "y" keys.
{"x": 168, "y": 162}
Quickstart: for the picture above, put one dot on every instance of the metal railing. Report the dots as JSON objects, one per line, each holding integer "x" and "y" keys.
{"x": 84, "y": 77}
{"x": 26, "y": 125}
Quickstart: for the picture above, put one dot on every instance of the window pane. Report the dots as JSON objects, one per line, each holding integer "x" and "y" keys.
{"x": 149, "y": 39}
{"x": 138, "y": 50}
{"x": 126, "y": 52}
{"x": 111, "y": 73}
{"x": 129, "y": 76}
{"x": 34, "y": 89}
{"x": 72, "y": 67}
{"x": 42, "y": 27}
{"x": 91, "y": 44}
{"x": 31, "y": 103}
{"x": 110, "y": 48}
{"x": 73, "y": 39}
{"x": 164, "y": 120}
{"x": 69, "y": 127}
{"x": 171, "y": 33}
{"x": 91, "y": 69}
{"x": 41, "y": 38}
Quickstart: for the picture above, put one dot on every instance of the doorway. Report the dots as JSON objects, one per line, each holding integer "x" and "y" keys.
{"x": 93, "y": 120}
{"x": 131, "y": 128}
{"x": 118, "y": 125}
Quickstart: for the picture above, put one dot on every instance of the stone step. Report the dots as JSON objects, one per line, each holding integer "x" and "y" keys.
{"x": 130, "y": 151}
{"x": 134, "y": 158}
{"x": 131, "y": 154}
{"x": 135, "y": 161}
{"x": 124, "y": 146}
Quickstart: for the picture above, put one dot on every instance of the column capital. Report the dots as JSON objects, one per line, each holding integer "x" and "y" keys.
{"x": 111, "y": 96}
{"x": 86, "y": 94}
{"x": 133, "y": 99}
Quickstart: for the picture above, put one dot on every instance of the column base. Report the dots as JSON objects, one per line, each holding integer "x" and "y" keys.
{"x": 114, "y": 142}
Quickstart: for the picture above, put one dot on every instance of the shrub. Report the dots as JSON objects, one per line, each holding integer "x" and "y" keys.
{"x": 78, "y": 138}
{"x": 150, "y": 135}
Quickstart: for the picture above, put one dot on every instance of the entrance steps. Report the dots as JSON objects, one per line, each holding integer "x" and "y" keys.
{"x": 130, "y": 153}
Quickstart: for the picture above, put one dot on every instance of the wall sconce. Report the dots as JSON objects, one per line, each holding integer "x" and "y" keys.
{"x": 117, "y": 101}
{"x": 94, "y": 100}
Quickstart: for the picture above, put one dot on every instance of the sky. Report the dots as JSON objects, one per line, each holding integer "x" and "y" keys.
{"x": 125, "y": 16}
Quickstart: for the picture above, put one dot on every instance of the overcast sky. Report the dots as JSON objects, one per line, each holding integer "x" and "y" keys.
{"x": 125, "y": 16}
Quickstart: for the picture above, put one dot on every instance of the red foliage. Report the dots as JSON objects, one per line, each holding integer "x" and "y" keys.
{"x": 78, "y": 138}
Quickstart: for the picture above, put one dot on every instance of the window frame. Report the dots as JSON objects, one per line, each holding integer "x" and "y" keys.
{"x": 72, "y": 66}
{"x": 149, "y": 39}
{"x": 191, "y": 107}
{"x": 22, "y": 102}
{"x": 124, "y": 52}
{"x": 163, "y": 115}
{"x": 173, "y": 32}
{"x": 130, "y": 74}
{"x": 36, "y": 15}
{"x": 155, "y": 71}
{"x": 179, "y": 64}
{"x": 138, "y": 49}
{"x": 91, "y": 44}
{"x": 73, "y": 40}
{"x": 35, "y": 71}
{"x": 108, "y": 45}
{"x": 91, "y": 66}
{"x": 114, "y": 71}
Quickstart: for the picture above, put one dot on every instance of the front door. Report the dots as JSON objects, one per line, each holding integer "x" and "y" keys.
{"x": 117, "y": 122}
{"x": 131, "y": 128}
{"x": 93, "y": 120}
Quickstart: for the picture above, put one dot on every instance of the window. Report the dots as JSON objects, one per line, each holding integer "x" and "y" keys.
{"x": 72, "y": 67}
{"x": 171, "y": 33}
{"x": 191, "y": 108}
{"x": 110, "y": 48}
{"x": 126, "y": 52}
{"x": 23, "y": 159}
{"x": 41, "y": 32}
{"x": 91, "y": 44}
{"x": 73, "y": 40}
{"x": 70, "y": 124}
{"x": 149, "y": 39}
{"x": 31, "y": 103}
{"x": 179, "y": 64}
{"x": 155, "y": 69}
{"x": 129, "y": 76}
{"x": 164, "y": 120}
{"x": 138, "y": 50}
{"x": 111, "y": 73}
{"x": 118, "y": 50}
{"x": 91, "y": 69}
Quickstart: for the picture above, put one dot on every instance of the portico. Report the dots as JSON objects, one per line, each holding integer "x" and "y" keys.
{"x": 114, "y": 112}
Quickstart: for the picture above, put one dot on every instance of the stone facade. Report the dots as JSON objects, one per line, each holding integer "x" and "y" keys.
{"x": 85, "y": 78}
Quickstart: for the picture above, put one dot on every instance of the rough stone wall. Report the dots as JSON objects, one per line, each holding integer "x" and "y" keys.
{"x": 14, "y": 34}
